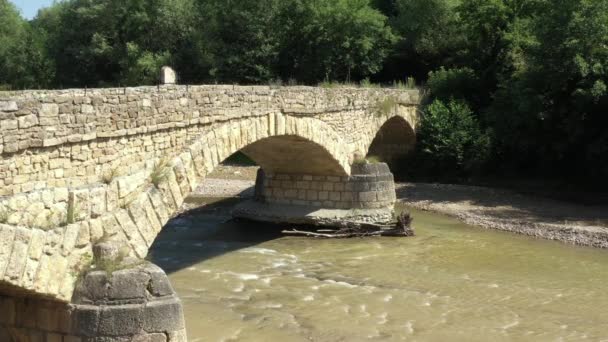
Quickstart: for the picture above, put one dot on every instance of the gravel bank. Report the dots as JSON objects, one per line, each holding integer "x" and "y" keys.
{"x": 511, "y": 211}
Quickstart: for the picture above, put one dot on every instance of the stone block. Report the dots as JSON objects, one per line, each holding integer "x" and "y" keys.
{"x": 154, "y": 337}
{"x": 312, "y": 195}
{"x": 121, "y": 320}
{"x": 303, "y": 185}
{"x": 335, "y": 196}
{"x": 128, "y": 284}
{"x": 328, "y": 186}
{"x": 367, "y": 196}
{"x": 159, "y": 285}
{"x": 93, "y": 288}
{"x": 177, "y": 336}
{"x": 346, "y": 196}
{"x": 291, "y": 193}
{"x": 323, "y": 195}
{"x": 163, "y": 315}
{"x": 79, "y": 205}
{"x": 8, "y": 106}
{"x": 49, "y": 109}
{"x": 7, "y": 311}
{"x": 167, "y": 75}
{"x": 16, "y": 265}
{"x": 86, "y": 320}
{"x": 52, "y": 337}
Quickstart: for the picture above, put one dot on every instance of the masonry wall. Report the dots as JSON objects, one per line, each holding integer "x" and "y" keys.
{"x": 74, "y": 137}
{"x": 57, "y": 147}
{"x": 370, "y": 187}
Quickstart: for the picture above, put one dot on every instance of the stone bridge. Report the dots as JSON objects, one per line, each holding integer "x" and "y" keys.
{"x": 80, "y": 167}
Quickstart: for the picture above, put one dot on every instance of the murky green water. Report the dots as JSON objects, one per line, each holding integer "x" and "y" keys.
{"x": 452, "y": 282}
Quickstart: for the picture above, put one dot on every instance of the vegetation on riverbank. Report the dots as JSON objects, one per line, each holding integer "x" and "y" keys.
{"x": 517, "y": 88}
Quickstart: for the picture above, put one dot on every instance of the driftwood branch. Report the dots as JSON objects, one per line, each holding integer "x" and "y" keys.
{"x": 400, "y": 228}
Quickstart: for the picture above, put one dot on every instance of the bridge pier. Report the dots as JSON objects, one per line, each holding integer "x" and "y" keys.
{"x": 368, "y": 195}
{"x": 117, "y": 302}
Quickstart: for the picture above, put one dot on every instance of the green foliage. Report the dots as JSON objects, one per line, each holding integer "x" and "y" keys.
{"x": 4, "y": 214}
{"x": 459, "y": 83}
{"x": 111, "y": 174}
{"x": 242, "y": 37}
{"x": 373, "y": 159}
{"x": 366, "y": 83}
{"x": 451, "y": 141}
{"x": 160, "y": 172}
{"x": 339, "y": 40}
{"x": 409, "y": 84}
{"x": 386, "y": 106}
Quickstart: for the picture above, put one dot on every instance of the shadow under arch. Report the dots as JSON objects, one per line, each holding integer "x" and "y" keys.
{"x": 394, "y": 140}
{"x": 291, "y": 154}
{"x": 306, "y": 146}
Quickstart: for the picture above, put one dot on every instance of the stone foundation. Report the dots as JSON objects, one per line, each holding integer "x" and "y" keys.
{"x": 134, "y": 304}
{"x": 371, "y": 186}
{"x": 366, "y": 196}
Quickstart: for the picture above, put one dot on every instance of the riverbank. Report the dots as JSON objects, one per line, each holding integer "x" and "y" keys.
{"x": 489, "y": 208}
{"x": 585, "y": 225}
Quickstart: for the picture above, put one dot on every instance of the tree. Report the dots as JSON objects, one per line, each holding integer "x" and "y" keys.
{"x": 113, "y": 42}
{"x": 429, "y": 37}
{"x": 339, "y": 40}
{"x": 242, "y": 39}
{"x": 556, "y": 99}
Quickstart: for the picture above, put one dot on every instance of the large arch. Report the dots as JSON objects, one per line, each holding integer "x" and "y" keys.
{"x": 267, "y": 139}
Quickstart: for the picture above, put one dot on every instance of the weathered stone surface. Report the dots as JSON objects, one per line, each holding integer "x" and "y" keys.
{"x": 163, "y": 315}
{"x": 59, "y": 147}
{"x": 168, "y": 76}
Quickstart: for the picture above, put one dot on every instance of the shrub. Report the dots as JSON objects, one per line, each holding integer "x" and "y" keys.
{"x": 160, "y": 172}
{"x": 451, "y": 140}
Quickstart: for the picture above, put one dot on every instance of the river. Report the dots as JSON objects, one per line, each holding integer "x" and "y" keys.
{"x": 241, "y": 281}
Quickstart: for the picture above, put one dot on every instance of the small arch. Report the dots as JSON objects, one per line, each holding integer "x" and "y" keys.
{"x": 395, "y": 139}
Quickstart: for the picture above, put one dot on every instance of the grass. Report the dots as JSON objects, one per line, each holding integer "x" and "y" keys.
{"x": 4, "y": 214}
{"x": 81, "y": 268}
{"x": 367, "y": 160}
{"x": 410, "y": 83}
{"x": 374, "y": 160}
{"x": 110, "y": 175}
{"x": 72, "y": 214}
{"x": 334, "y": 85}
{"x": 129, "y": 199}
{"x": 160, "y": 172}
{"x": 386, "y": 106}
{"x": 366, "y": 83}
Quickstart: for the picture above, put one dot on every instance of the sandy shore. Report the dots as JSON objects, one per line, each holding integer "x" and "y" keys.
{"x": 489, "y": 208}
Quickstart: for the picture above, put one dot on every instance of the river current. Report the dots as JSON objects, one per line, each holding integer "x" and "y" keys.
{"x": 241, "y": 281}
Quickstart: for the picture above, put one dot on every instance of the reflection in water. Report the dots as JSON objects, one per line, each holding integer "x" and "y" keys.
{"x": 451, "y": 282}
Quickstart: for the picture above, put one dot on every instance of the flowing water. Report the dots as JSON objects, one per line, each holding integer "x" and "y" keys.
{"x": 452, "y": 282}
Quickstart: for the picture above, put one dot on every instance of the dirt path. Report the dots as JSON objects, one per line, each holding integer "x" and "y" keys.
{"x": 485, "y": 207}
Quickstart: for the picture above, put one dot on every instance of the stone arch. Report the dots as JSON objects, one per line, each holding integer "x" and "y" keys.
{"x": 59, "y": 252}
{"x": 394, "y": 139}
